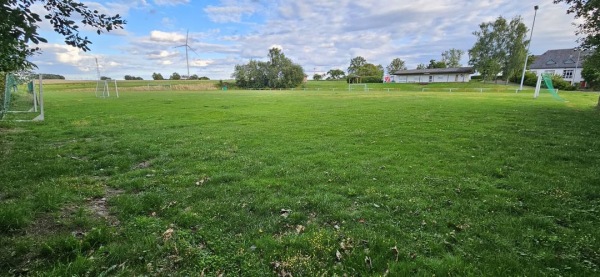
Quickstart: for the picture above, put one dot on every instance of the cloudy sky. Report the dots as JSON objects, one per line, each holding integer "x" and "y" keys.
{"x": 317, "y": 34}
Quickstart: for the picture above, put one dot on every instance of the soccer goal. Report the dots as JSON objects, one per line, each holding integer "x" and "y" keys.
{"x": 103, "y": 88}
{"x": 20, "y": 101}
{"x": 547, "y": 78}
{"x": 358, "y": 87}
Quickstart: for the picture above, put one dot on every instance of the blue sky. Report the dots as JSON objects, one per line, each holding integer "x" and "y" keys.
{"x": 317, "y": 34}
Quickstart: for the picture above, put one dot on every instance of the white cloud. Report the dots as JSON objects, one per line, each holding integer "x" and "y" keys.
{"x": 160, "y": 36}
{"x": 157, "y": 55}
{"x": 201, "y": 63}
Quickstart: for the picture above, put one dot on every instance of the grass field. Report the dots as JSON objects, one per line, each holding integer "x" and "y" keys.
{"x": 308, "y": 183}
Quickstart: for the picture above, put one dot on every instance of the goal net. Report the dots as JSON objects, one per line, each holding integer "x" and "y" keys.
{"x": 547, "y": 79}
{"x": 358, "y": 87}
{"x": 19, "y": 99}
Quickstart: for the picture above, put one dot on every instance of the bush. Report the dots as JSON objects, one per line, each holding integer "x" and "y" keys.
{"x": 365, "y": 79}
{"x": 531, "y": 80}
{"x": 559, "y": 83}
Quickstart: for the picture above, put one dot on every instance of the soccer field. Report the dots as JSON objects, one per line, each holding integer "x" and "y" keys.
{"x": 307, "y": 183}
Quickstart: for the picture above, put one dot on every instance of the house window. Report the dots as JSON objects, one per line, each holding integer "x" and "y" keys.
{"x": 567, "y": 74}
{"x": 549, "y": 71}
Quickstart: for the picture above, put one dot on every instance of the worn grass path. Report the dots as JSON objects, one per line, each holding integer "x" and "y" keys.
{"x": 307, "y": 183}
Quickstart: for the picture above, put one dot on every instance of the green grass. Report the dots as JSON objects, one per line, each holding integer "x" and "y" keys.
{"x": 313, "y": 183}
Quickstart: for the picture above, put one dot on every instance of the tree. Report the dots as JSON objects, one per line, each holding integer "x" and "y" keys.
{"x": 204, "y": 78}
{"x": 335, "y": 74}
{"x": 193, "y": 77}
{"x": 317, "y": 77}
{"x": 157, "y": 76}
{"x": 589, "y": 11}
{"x": 361, "y": 71}
{"x": 500, "y": 47}
{"x": 421, "y": 66}
{"x": 278, "y": 72}
{"x": 356, "y": 64}
{"x": 436, "y": 64}
{"x": 396, "y": 65}
{"x": 104, "y": 78}
{"x": 175, "y": 76}
{"x": 452, "y": 57}
{"x": 591, "y": 71}
{"x": 129, "y": 77}
{"x": 19, "y": 27}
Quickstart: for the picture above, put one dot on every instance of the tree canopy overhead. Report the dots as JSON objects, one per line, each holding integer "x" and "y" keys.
{"x": 19, "y": 28}
{"x": 589, "y": 11}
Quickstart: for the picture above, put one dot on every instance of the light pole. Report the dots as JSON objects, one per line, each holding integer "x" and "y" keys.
{"x": 528, "y": 45}
{"x": 576, "y": 65}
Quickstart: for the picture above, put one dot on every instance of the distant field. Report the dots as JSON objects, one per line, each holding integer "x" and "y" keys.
{"x": 320, "y": 182}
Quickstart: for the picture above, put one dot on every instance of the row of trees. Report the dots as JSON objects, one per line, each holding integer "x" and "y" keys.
{"x": 129, "y": 77}
{"x": 361, "y": 70}
{"x": 177, "y": 76}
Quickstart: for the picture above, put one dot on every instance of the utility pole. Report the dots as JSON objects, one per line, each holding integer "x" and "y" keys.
{"x": 529, "y": 45}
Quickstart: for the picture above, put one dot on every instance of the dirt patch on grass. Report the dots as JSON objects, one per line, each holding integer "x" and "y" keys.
{"x": 99, "y": 206}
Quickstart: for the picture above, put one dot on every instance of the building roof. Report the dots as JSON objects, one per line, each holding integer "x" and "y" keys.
{"x": 459, "y": 70}
{"x": 559, "y": 58}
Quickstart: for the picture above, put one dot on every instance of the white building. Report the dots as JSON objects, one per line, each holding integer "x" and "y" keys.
{"x": 563, "y": 62}
{"x": 434, "y": 75}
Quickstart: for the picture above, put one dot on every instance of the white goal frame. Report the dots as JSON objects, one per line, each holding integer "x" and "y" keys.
{"x": 37, "y": 104}
{"x": 351, "y": 87}
{"x": 103, "y": 89}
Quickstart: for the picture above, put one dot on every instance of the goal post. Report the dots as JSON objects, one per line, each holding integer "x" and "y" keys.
{"x": 20, "y": 100}
{"x": 547, "y": 79}
{"x": 358, "y": 87}
{"x": 103, "y": 88}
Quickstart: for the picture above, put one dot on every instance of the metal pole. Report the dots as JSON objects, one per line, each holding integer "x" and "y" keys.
{"x": 576, "y": 64}
{"x": 529, "y": 45}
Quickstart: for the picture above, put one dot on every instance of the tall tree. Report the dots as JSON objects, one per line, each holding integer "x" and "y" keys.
{"x": 317, "y": 77}
{"x": 19, "y": 27}
{"x": 396, "y": 65}
{"x": 421, "y": 66}
{"x": 356, "y": 64}
{"x": 452, "y": 57}
{"x": 499, "y": 47}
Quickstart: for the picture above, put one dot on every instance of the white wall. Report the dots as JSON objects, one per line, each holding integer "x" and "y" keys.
{"x": 559, "y": 71}
{"x": 432, "y": 78}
